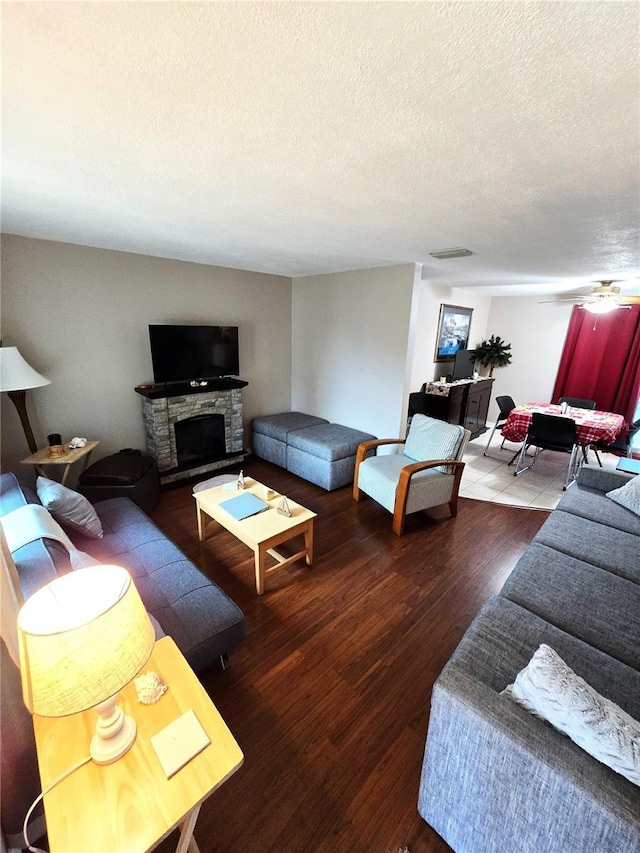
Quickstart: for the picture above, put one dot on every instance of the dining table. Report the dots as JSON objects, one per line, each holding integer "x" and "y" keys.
{"x": 592, "y": 425}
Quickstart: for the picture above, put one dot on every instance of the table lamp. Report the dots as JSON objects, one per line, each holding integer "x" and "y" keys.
{"x": 16, "y": 377}
{"x": 81, "y": 639}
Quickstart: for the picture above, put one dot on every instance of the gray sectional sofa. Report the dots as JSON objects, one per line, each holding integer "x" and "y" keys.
{"x": 308, "y": 446}
{"x": 200, "y": 617}
{"x": 496, "y": 778}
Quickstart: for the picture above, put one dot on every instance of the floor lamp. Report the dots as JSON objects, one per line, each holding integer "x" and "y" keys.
{"x": 16, "y": 377}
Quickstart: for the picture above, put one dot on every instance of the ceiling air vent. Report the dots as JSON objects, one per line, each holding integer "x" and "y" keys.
{"x": 451, "y": 253}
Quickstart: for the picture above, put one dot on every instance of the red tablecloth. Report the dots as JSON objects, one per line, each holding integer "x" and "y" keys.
{"x": 591, "y": 425}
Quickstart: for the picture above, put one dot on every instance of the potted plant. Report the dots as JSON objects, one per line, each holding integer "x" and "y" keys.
{"x": 493, "y": 353}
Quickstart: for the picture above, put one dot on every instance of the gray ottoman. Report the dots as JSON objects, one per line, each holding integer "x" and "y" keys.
{"x": 270, "y": 433}
{"x": 325, "y": 454}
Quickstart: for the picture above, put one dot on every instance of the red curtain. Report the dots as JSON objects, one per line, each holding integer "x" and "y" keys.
{"x": 601, "y": 360}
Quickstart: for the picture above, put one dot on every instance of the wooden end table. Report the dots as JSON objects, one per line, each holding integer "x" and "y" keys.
{"x": 130, "y": 806}
{"x": 41, "y": 457}
{"x": 261, "y": 532}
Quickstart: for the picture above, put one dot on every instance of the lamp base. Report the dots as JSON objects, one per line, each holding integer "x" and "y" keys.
{"x": 115, "y": 733}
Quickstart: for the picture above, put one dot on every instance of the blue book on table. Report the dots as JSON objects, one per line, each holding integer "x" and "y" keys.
{"x": 244, "y": 505}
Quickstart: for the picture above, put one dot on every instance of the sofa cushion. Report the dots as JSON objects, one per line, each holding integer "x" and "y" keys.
{"x": 592, "y": 504}
{"x": 200, "y": 617}
{"x": 551, "y": 690}
{"x": 590, "y": 603}
{"x": 595, "y": 543}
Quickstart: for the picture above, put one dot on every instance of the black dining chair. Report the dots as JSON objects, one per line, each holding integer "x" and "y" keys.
{"x": 550, "y": 432}
{"x": 506, "y": 406}
{"x": 578, "y": 402}
{"x": 621, "y": 446}
{"x": 581, "y": 403}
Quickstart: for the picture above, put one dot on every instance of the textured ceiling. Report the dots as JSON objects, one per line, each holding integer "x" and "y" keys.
{"x": 299, "y": 137}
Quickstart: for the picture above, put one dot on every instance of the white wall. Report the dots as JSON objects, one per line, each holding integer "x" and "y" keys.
{"x": 536, "y": 332}
{"x": 79, "y": 316}
{"x": 349, "y": 347}
{"x": 350, "y": 342}
{"x": 425, "y": 314}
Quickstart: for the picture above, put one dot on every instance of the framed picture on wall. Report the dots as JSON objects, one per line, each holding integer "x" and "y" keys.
{"x": 453, "y": 331}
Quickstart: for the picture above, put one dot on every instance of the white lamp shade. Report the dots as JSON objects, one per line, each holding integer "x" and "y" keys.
{"x": 81, "y": 639}
{"x": 16, "y": 374}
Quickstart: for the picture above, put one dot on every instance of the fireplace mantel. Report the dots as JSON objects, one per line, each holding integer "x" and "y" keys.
{"x": 164, "y": 407}
{"x": 181, "y": 389}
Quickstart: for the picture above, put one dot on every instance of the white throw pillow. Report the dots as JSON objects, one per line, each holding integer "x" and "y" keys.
{"x": 550, "y": 689}
{"x": 628, "y": 495}
{"x": 70, "y": 509}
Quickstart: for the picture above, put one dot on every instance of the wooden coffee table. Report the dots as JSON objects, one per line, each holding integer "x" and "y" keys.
{"x": 261, "y": 532}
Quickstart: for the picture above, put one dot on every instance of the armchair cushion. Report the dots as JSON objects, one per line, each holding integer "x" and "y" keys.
{"x": 432, "y": 439}
{"x": 379, "y": 475}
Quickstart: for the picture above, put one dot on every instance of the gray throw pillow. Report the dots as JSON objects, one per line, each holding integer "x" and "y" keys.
{"x": 70, "y": 509}
{"x": 551, "y": 690}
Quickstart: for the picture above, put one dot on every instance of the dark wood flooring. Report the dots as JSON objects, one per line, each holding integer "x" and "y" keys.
{"x": 328, "y": 696}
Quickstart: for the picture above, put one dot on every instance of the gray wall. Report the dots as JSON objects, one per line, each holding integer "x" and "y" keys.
{"x": 79, "y": 316}
{"x": 350, "y": 347}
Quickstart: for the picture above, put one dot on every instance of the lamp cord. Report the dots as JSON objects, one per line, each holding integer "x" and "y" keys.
{"x": 40, "y": 796}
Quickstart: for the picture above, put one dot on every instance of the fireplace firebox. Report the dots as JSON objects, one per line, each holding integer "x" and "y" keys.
{"x": 200, "y": 439}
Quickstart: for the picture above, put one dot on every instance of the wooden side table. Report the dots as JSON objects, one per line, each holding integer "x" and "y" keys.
{"x": 130, "y": 806}
{"x": 41, "y": 457}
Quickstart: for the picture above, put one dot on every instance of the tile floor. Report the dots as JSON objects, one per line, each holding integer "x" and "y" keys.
{"x": 490, "y": 478}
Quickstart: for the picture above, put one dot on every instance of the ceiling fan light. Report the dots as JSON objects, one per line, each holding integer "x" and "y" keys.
{"x": 601, "y": 307}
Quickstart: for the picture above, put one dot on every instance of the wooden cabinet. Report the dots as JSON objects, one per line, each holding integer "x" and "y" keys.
{"x": 466, "y": 404}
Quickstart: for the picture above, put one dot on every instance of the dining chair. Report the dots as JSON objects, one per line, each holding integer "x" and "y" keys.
{"x": 506, "y": 406}
{"x": 578, "y": 402}
{"x": 550, "y": 432}
{"x": 425, "y": 474}
{"x": 582, "y": 403}
{"x": 621, "y": 446}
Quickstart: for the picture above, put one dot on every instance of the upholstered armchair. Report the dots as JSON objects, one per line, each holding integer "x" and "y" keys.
{"x": 425, "y": 474}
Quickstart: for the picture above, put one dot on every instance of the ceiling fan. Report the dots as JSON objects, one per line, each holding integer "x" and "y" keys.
{"x": 602, "y": 299}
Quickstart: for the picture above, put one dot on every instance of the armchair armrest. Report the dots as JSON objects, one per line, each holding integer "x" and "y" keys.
{"x": 404, "y": 482}
{"x": 364, "y": 448}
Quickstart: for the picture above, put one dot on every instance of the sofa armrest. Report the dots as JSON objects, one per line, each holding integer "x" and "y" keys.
{"x": 494, "y": 776}
{"x": 594, "y": 477}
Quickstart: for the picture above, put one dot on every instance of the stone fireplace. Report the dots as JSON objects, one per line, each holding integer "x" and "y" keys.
{"x": 193, "y": 431}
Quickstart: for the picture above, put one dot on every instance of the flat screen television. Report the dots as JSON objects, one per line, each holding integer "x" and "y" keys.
{"x": 463, "y": 366}
{"x": 183, "y": 353}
